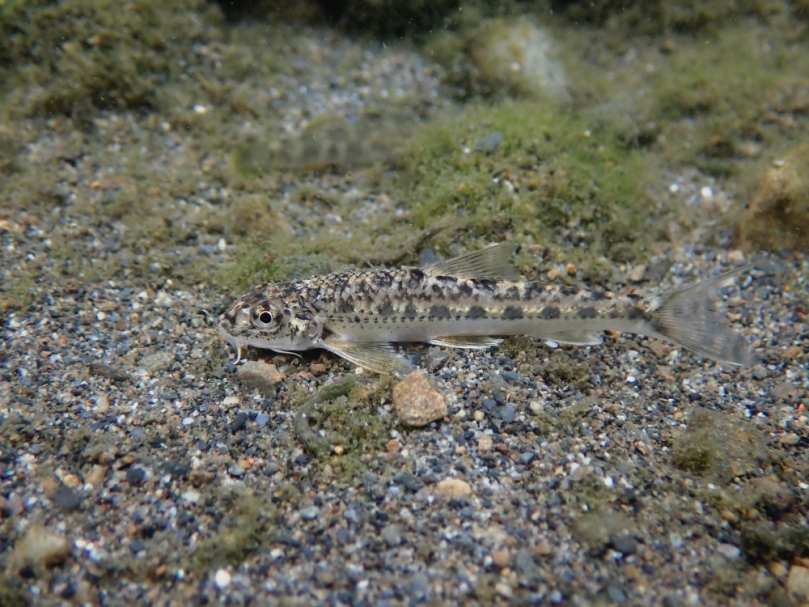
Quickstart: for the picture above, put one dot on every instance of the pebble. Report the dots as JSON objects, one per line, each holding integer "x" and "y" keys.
{"x": 317, "y": 369}
{"x": 262, "y": 419}
{"x": 453, "y": 488}
{"x": 156, "y": 362}
{"x": 135, "y": 476}
{"x": 222, "y": 579}
{"x": 392, "y": 535}
{"x": 616, "y": 594}
{"x": 238, "y": 423}
{"x": 66, "y": 498}
{"x": 416, "y": 403}
{"x": 236, "y": 471}
{"x": 637, "y": 273}
{"x": 790, "y": 438}
{"x": 501, "y": 558}
{"x": 259, "y": 375}
{"x": 485, "y": 444}
{"x": 729, "y": 551}
{"x": 310, "y": 513}
{"x": 40, "y": 547}
{"x": 798, "y": 583}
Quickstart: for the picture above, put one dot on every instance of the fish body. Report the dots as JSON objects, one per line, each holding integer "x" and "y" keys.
{"x": 466, "y": 302}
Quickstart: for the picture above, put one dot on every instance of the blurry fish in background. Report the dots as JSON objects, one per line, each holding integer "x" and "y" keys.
{"x": 327, "y": 141}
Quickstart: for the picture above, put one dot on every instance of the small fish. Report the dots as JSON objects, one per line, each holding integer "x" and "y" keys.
{"x": 465, "y": 302}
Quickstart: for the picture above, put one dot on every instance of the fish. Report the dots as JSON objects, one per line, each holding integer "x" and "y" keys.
{"x": 471, "y": 301}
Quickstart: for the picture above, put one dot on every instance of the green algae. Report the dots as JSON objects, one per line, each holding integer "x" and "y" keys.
{"x": 246, "y": 530}
{"x": 556, "y": 179}
{"x": 719, "y": 447}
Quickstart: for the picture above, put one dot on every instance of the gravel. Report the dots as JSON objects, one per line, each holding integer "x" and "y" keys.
{"x": 513, "y": 485}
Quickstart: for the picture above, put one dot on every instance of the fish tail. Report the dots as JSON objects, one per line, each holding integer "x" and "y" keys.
{"x": 686, "y": 318}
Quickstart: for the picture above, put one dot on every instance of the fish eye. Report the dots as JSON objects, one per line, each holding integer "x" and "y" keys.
{"x": 262, "y": 317}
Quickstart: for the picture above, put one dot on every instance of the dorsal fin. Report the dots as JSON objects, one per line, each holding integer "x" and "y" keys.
{"x": 493, "y": 262}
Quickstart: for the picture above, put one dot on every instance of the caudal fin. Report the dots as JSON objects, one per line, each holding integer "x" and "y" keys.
{"x": 687, "y": 319}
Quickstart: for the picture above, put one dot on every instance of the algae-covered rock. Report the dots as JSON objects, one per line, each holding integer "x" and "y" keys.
{"x": 777, "y": 216}
{"x": 720, "y": 447}
{"x": 516, "y": 55}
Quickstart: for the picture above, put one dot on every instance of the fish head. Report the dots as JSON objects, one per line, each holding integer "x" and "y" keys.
{"x": 265, "y": 318}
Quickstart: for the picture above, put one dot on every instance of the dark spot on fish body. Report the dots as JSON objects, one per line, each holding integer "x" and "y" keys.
{"x": 436, "y": 289}
{"x": 465, "y": 289}
{"x": 486, "y": 284}
{"x": 410, "y": 311}
{"x": 598, "y": 295}
{"x": 346, "y": 307}
{"x": 439, "y": 312}
{"x": 513, "y": 293}
{"x": 416, "y": 279}
{"x": 615, "y": 313}
{"x": 512, "y": 313}
{"x": 635, "y": 313}
{"x": 386, "y": 309}
{"x": 549, "y": 312}
{"x": 475, "y": 312}
{"x": 569, "y": 291}
{"x": 588, "y": 312}
{"x": 357, "y": 319}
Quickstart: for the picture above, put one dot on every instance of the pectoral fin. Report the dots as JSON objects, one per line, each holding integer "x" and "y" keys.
{"x": 376, "y": 357}
{"x": 573, "y": 338}
{"x": 468, "y": 342}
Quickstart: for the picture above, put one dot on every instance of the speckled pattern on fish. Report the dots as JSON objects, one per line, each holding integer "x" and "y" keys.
{"x": 464, "y": 302}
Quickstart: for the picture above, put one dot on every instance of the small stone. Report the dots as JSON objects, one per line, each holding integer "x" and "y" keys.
{"x": 392, "y": 535}
{"x": 238, "y": 423}
{"x": 66, "y": 498}
{"x": 504, "y": 590}
{"x": 156, "y": 362}
{"x": 736, "y": 256}
{"x": 317, "y": 369}
{"x": 262, "y": 419}
{"x": 95, "y": 476}
{"x": 798, "y": 583}
{"x": 417, "y": 404}
{"x": 436, "y": 359}
{"x": 479, "y": 416}
{"x": 310, "y": 513}
{"x": 222, "y": 579}
{"x": 790, "y": 438}
{"x": 543, "y": 547}
{"x": 453, "y": 488}
{"x": 792, "y": 352}
{"x": 625, "y": 544}
{"x": 778, "y": 570}
{"x": 485, "y": 444}
{"x": 231, "y": 401}
{"x": 637, "y": 273}
{"x": 526, "y": 458}
{"x": 616, "y": 594}
{"x": 392, "y": 446}
{"x": 135, "y": 476}
{"x": 236, "y": 471}
{"x": 192, "y": 496}
{"x": 259, "y": 375}
{"x": 40, "y": 548}
{"x": 729, "y": 551}
{"x": 508, "y": 413}
{"x": 14, "y": 504}
{"x": 501, "y": 558}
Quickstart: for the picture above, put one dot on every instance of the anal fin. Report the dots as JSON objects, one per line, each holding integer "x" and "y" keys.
{"x": 573, "y": 338}
{"x": 376, "y": 357}
{"x": 468, "y": 342}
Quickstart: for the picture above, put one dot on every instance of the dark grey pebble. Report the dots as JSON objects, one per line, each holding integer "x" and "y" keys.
{"x": 509, "y": 413}
{"x": 526, "y": 458}
{"x": 625, "y": 544}
{"x": 616, "y": 594}
{"x": 239, "y": 422}
{"x": 236, "y": 471}
{"x": 310, "y": 513}
{"x": 135, "y": 475}
{"x": 66, "y": 498}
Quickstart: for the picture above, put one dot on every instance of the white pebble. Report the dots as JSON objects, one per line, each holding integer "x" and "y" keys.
{"x": 706, "y": 192}
{"x": 222, "y": 579}
{"x": 674, "y": 188}
{"x": 222, "y": 244}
